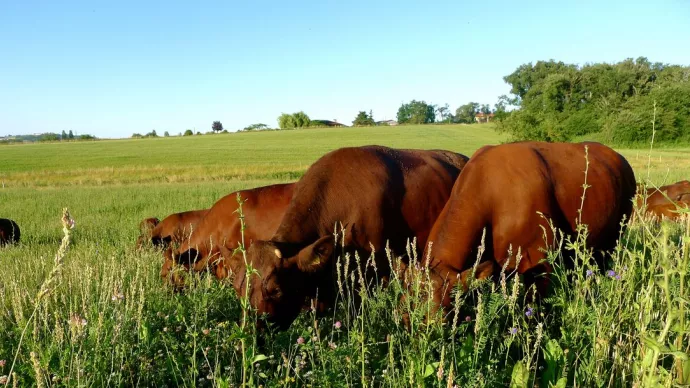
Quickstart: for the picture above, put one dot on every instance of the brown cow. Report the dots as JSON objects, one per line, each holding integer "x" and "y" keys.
{"x": 218, "y": 234}
{"x": 9, "y": 232}
{"x": 175, "y": 227}
{"x": 664, "y": 201}
{"x": 381, "y": 195}
{"x": 504, "y": 188}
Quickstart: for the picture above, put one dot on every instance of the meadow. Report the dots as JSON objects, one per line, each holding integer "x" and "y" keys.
{"x": 99, "y": 315}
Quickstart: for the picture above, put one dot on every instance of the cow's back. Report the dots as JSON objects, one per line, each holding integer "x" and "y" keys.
{"x": 385, "y": 194}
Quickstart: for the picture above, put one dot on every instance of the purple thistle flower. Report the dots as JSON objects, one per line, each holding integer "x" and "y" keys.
{"x": 589, "y": 273}
{"x": 618, "y": 277}
{"x": 611, "y": 273}
{"x": 513, "y": 330}
{"x": 529, "y": 312}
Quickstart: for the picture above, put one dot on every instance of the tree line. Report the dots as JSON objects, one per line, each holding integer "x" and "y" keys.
{"x": 554, "y": 101}
{"x": 622, "y": 102}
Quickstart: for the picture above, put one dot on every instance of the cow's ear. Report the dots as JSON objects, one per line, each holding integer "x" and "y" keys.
{"x": 317, "y": 255}
{"x": 146, "y": 225}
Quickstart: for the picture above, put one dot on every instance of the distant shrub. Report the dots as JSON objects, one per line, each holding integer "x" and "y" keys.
{"x": 188, "y": 132}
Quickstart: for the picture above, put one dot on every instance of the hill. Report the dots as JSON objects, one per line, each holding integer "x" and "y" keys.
{"x": 244, "y": 155}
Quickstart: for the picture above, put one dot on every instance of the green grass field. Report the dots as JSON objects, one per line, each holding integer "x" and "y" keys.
{"x": 108, "y": 319}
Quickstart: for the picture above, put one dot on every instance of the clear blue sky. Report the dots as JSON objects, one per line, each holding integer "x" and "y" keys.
{"x": 118, "y": 67}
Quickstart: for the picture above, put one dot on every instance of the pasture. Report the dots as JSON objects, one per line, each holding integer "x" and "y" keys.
{"x": 106, "y": 318}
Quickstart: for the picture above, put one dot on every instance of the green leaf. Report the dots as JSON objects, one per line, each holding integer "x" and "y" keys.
{"x": 553, "y": 356}
{"x": 258, "y": 358}
{"x": 655, "y": 345}
{"x": 430, "y": 369}
{"x": 561, "y": 383}
{"x": 520, "y": 376}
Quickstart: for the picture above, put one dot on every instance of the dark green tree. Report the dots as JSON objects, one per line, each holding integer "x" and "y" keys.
{"x": 416, "y": 112}
{"x": 295, "y": 120}
{"x": 217, "y": 126}
{"x": 166, "y": 134}
{"x": 64, "y": 135}
{"x": 188, "y": 132}
{"x": 558, "y": 101}
{"x": 466, "y": 113}
{"x": 363, "y": 119}
{"x": 71, "y": 135}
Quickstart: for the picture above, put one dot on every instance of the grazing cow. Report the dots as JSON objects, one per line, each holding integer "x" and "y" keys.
{"x": 380, "y": 195}
{"x": 218, "y": 234}
{"x": 9, "y": 232}
{"x": 664, "y": 201}
{"x": 504, "y": 188}
{"x": 174, "y": 227}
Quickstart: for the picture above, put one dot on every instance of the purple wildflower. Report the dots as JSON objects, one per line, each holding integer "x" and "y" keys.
{"x": 468, "y": 319}
{"x": 513, "y": 330}
{"x": 529, "y": 312}
{"x": 300, "y": 341}
{"x": 337, "y": 325}
{"x": 618, "y": 277}
{"x": 611, "y": 273}
{"x": 589, "y": 273}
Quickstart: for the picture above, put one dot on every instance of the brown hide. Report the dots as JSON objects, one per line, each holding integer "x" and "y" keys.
{"x": 502, "y": 189}
{"x": 380, "y": 194}
{"x": 218, "y": 234}
{"x": 9, "y": 232}
{"x": 665, "y": 201}
{"x": 173, "y": 228}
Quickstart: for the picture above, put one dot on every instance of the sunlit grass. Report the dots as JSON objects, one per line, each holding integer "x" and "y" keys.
{"x": 109, "y": 320}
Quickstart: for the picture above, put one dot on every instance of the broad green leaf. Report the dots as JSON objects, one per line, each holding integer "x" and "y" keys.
{"x": 520, "y": 376}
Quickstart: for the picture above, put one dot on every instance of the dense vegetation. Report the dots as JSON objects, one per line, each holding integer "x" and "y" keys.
{"x": 98, "y": 313}
{"x": 559, "y": 101}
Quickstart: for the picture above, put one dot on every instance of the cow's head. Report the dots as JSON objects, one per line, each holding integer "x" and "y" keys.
{"x": 146, "y": 227}
{"x": 286, "y": 276}
{"x": 183, "y": 258}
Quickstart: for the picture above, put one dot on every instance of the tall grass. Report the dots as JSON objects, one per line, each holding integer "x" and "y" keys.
{"x": 109, "y": 319}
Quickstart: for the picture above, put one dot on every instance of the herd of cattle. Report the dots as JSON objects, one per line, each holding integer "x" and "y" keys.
{"x": 512, "y": 194}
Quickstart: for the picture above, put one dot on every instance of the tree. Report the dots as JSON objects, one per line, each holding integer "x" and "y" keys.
{"x": 466, "y": 113}
{"x": 166, "y": 134}
{"x": 416, "y": 112}
{"x": 257, "y": 127}
{"x": 363, "y": 119}
{"x": 295, "y": 120}
{"x": 136, "y": 136}
{"x": 558, "y": 101}
{"x": 217, "y": 126}
{"x": 152, "y": 134}
{"x": 188, "y": 132}
{"x": 71, "y": 135}
{"x": 301, "y": 119}
{"x": 443, "y": 113}
{"x": 485, "y": 109}
{"x": 501, "y": 107}
{"x": 64, "y": 135}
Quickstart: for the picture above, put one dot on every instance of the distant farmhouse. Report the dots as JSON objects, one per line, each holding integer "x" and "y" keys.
{"x": 483, "y": 118}
{"x": 387, "y": 122}
{"x": 326, "y": 123}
